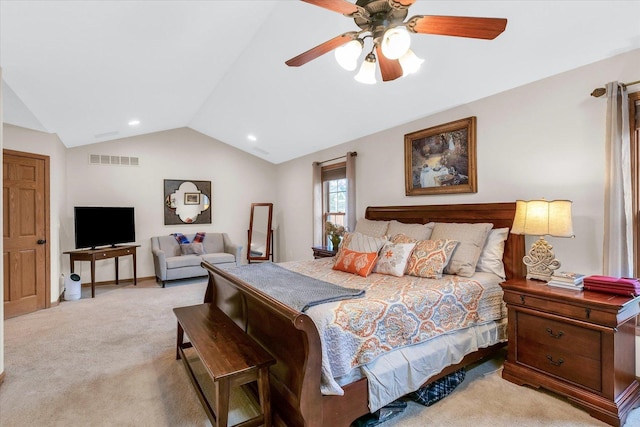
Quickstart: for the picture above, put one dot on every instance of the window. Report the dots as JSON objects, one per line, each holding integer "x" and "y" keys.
{"x": 334, "y": 195}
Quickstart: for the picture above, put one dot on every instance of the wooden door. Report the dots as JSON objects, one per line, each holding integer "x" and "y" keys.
{"x": 25, "y": 201}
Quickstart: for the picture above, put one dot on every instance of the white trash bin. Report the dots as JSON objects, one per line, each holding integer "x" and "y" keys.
{"x": 72, "y": 287}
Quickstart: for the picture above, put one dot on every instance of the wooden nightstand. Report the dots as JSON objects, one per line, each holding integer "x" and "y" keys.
{"x": 323, "y": 252}
{"x": 580, "y": 344}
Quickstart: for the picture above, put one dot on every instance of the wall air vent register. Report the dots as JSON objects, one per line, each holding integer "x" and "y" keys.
{"x": 104, "y": 159}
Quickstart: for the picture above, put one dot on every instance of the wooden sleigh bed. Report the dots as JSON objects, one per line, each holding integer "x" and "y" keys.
{"x": 292, "y": 338}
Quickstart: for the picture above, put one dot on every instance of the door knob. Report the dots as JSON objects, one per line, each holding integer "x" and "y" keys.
{"x": 41, "y": 241}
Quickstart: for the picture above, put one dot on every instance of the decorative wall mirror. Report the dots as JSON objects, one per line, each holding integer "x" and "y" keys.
{"x": 187, "y": 202}
{"x": 260, "y": 245}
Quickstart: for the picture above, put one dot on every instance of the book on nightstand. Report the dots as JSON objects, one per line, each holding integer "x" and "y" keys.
{"x": 568, "y": 277}
{"x": 566, "y": 285}
{"x": 567, "y": 280}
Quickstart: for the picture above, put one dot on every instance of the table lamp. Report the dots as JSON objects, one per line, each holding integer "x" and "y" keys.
{"x": 542, "y": 218}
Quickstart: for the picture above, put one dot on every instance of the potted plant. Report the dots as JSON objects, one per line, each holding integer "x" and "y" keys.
{"x": 335, "y": 233}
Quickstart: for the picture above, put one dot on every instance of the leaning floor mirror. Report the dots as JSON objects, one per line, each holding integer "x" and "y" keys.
{"x": 260, "y": 245}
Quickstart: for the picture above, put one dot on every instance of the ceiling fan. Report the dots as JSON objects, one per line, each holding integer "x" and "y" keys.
{"x": 384, "y": 22}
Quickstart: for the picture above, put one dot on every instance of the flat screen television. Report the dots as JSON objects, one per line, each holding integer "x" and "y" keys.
{"x": 103, "y": 225}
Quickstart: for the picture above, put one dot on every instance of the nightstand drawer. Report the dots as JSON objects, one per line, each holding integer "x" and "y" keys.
{"x": 559, "y": 336}
{"x": 565, "y": 364}
{"x": 562, "y": 308}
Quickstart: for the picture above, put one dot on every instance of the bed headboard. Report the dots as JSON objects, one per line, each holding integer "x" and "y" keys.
{"x": 499, "y": 214}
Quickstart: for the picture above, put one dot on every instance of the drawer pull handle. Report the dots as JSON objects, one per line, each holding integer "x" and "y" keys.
{"x": 522, "y": 299}
{"x": 553, "y": 362}
{"x": 556, "y": 336}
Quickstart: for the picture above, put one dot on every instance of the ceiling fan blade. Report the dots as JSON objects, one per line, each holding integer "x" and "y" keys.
{"x": 340, "y": 6}
{"x": 389, "y": 68}
{"x": 458, "y": 26}
{"x": 321, "y": 49}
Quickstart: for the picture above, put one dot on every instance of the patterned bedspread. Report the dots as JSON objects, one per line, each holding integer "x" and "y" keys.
{"x": 395, "y": 312}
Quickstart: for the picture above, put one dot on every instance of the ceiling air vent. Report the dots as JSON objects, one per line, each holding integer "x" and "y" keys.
{"x": 104, "y": 159}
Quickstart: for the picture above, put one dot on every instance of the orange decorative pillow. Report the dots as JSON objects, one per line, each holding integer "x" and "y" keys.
{"x": 360, "y": 263}
{"x": 430, "y": 257}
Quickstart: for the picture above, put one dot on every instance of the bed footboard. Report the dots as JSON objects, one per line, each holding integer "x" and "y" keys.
{"x": 290, "y": 337}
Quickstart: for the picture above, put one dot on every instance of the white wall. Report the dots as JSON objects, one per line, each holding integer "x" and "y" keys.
{"x": 29, "y": 141}
{"x": 545, "y": 139}
{"x": 237, "y": 180}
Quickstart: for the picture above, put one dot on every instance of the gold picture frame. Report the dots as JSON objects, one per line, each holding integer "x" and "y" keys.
{"x": 441, "y": 159}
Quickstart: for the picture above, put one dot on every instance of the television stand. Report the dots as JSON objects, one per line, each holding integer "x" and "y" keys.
{"x": 93, "y": 255}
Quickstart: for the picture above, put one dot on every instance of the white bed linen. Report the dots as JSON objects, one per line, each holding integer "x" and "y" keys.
{"x": 402, "y": 371}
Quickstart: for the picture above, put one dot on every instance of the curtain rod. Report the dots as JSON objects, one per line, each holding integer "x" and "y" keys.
{"x": 353, "y": 154}
{"x": 597, "y": 92}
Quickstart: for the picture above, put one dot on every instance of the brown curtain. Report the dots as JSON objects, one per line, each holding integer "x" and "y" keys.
{"x": 618, "y": 218}
{"x": 317, "y": 204}
{"x": 351, "y": 191}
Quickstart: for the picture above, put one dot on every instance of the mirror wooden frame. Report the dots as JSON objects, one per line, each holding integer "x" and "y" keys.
{"x": 268, "y": 252}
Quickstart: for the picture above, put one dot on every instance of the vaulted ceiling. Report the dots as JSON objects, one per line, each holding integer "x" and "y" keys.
{"x": 84, "y": 69}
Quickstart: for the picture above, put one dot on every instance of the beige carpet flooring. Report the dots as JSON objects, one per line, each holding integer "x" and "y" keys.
{"x": 110, "y": 361}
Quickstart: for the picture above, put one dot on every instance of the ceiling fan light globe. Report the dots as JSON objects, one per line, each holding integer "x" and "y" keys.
{"x": 367, "y": 73}
{"x": 410, "y": 63}
{"x": 347, "y": 55}
{"x": 395, "y": 42}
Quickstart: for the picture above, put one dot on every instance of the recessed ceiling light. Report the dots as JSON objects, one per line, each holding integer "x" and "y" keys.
{"x": 134, "y": 122}
{"x": 252, "y": 137}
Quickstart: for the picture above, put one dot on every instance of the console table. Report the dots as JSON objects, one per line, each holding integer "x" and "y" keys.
{"x": 94, "y": 255}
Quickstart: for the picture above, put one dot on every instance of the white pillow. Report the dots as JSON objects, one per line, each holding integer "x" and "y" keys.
{"x": 490, "y": 260}
{"x": 371, "y": 228}
{"x": 393, "y": 258}
{"x": 414, "y": 231}
{"x": 359, "y": 242}
{"x": 471, "y": 238}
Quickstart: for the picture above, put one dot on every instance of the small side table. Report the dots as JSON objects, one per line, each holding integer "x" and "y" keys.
{"x": 580, "y": 344}
{"x": 323, "y": 252}
{"x": 94, "y": 255}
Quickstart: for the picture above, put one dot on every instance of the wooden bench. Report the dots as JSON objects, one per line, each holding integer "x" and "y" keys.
{"x": 230, "y": 357}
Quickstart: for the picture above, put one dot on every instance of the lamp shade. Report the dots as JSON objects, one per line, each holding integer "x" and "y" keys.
{"x": 395, "y": 42}
{"x": 367, "y": 73}
{"x": 410, "y": 63}
{"x": 347, "y": 55}
{"x": 543, "y": 218}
